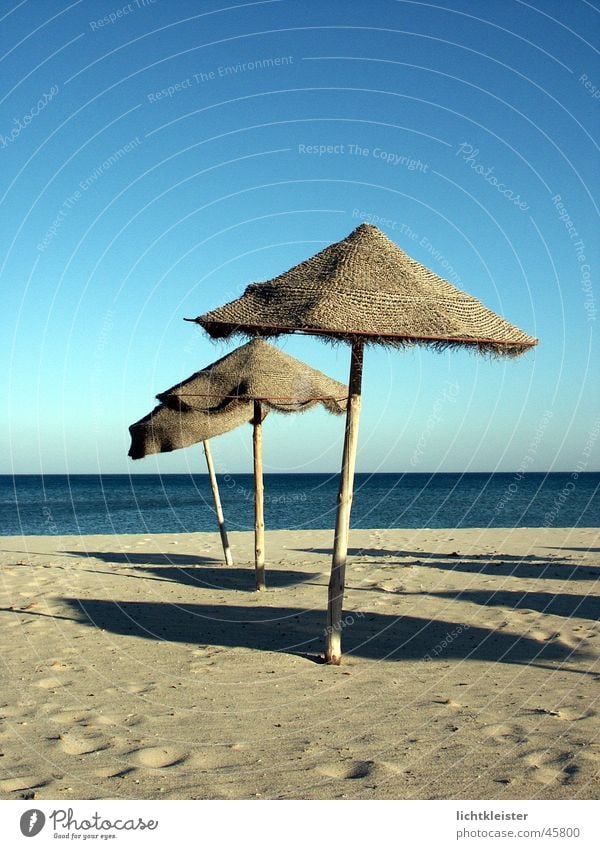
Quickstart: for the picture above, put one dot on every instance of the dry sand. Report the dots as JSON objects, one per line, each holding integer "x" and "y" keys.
{"x": 141, "y": 667}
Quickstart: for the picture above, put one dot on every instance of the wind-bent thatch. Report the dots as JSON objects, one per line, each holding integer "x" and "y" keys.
{"x": 221, "y": 397}
{"x": 366, "y": 287}
{"x": 257, "y": 372}
{"x": 167, "y": 429}
{"x": 241, "y": 387}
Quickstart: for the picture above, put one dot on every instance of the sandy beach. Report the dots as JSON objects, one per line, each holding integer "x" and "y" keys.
{"x": 142, "y": 667}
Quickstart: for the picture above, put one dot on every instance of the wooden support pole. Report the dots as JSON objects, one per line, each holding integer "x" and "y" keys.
{"x": 333, "y": 648}
{"x": 259, "y": 508}
{"x": 217, "y": 499}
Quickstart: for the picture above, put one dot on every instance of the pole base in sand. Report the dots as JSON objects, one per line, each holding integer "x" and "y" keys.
{"x": 261, "y": 584}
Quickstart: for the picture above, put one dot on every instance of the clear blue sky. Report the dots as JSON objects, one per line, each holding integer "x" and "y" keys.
{"x": 157, "y": 157}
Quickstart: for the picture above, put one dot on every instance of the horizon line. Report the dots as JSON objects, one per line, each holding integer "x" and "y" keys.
{"x": 336, "y": 472}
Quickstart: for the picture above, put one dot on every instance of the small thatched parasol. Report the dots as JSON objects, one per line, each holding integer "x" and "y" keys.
{"x": 166, "y": 429}
{"x": 240, "y": 387}
{"x": 363, "y": 289}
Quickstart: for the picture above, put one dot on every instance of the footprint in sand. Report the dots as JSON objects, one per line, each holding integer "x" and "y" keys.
{"x": 552, "y": 767}
{"x": 355, "y": 770}
{"x": 201, "y": 668}
{"x": 114, "y": 719}
{"x": 138, "y": 689}
{"x": 157, "y": 757}
{"x": 347, "y": 770}
{"x": 573, "y": 714}
{"x": 207, "y": 651}
{"x": 566, "y": 714}
{"x": 52, "y": 683}
{"x": 14, "y": 710}
{"x": 68, "y": 717}
{"x": 78, "y": 744}
{"x": 24, "y": 782}
{"x": 448, "y": 702}
{"x": 112, "y": 772}
{"x": 499, "y": 733}
{"x": 60, "y": 666}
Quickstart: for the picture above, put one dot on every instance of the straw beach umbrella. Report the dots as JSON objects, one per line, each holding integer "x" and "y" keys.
{"x": 167, "y": 429}
{"x": 242, "y": 386}
{"x": 363, "y": 290}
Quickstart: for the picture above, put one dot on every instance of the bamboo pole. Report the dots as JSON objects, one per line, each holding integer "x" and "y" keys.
{"x": 333, "y": 648}
{"x": 217, "y": 499}
{"x": 259, "y": 517}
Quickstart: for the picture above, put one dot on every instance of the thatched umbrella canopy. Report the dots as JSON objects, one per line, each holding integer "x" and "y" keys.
{"x": 242, "y": 386}
{"x": 167, "y": 428}
{"x": 363, "y": 289}
{"x": 254, "y": 372}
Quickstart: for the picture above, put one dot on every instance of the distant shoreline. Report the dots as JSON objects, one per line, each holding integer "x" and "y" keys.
{"x": 201, "y": 473}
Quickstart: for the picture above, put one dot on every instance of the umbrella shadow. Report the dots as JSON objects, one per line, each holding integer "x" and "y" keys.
{"x": 539, "y": 569}
{"x": 240, "y": 578}
{"x": 565, "y": 604}
{"x": 145, "y": 559}
{"x": 499, "y": 565}
{"x": 172, "y": 568}
{"x": 427, "y": 555}
{"x": 374, "y": 636}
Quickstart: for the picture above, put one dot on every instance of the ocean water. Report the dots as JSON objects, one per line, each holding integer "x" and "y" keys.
{"x": 119, "y": 504}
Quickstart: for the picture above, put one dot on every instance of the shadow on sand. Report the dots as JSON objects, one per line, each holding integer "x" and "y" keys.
{"x": 503, "y": 565}
{"x": 145, "y": 559}
{"x": 198, "y": 575}
{"x": 560, "y": 604}
{"x": 291, "y": 630}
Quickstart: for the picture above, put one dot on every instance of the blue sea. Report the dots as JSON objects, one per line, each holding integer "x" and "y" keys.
{"x": 120, "y": 504}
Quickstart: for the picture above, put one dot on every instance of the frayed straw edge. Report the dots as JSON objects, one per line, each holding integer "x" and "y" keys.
{"x": 490, "y": 348}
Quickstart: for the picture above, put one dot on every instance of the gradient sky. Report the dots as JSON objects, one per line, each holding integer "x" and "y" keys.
{"x": 159, "y": 156}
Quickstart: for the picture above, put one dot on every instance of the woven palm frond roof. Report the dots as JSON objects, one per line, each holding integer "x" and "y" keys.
{"x": 166, "y": 429}
{"x": 257, "y": 371}
{"x": 366, "y": 287}
{"x": 221, "y": 397}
